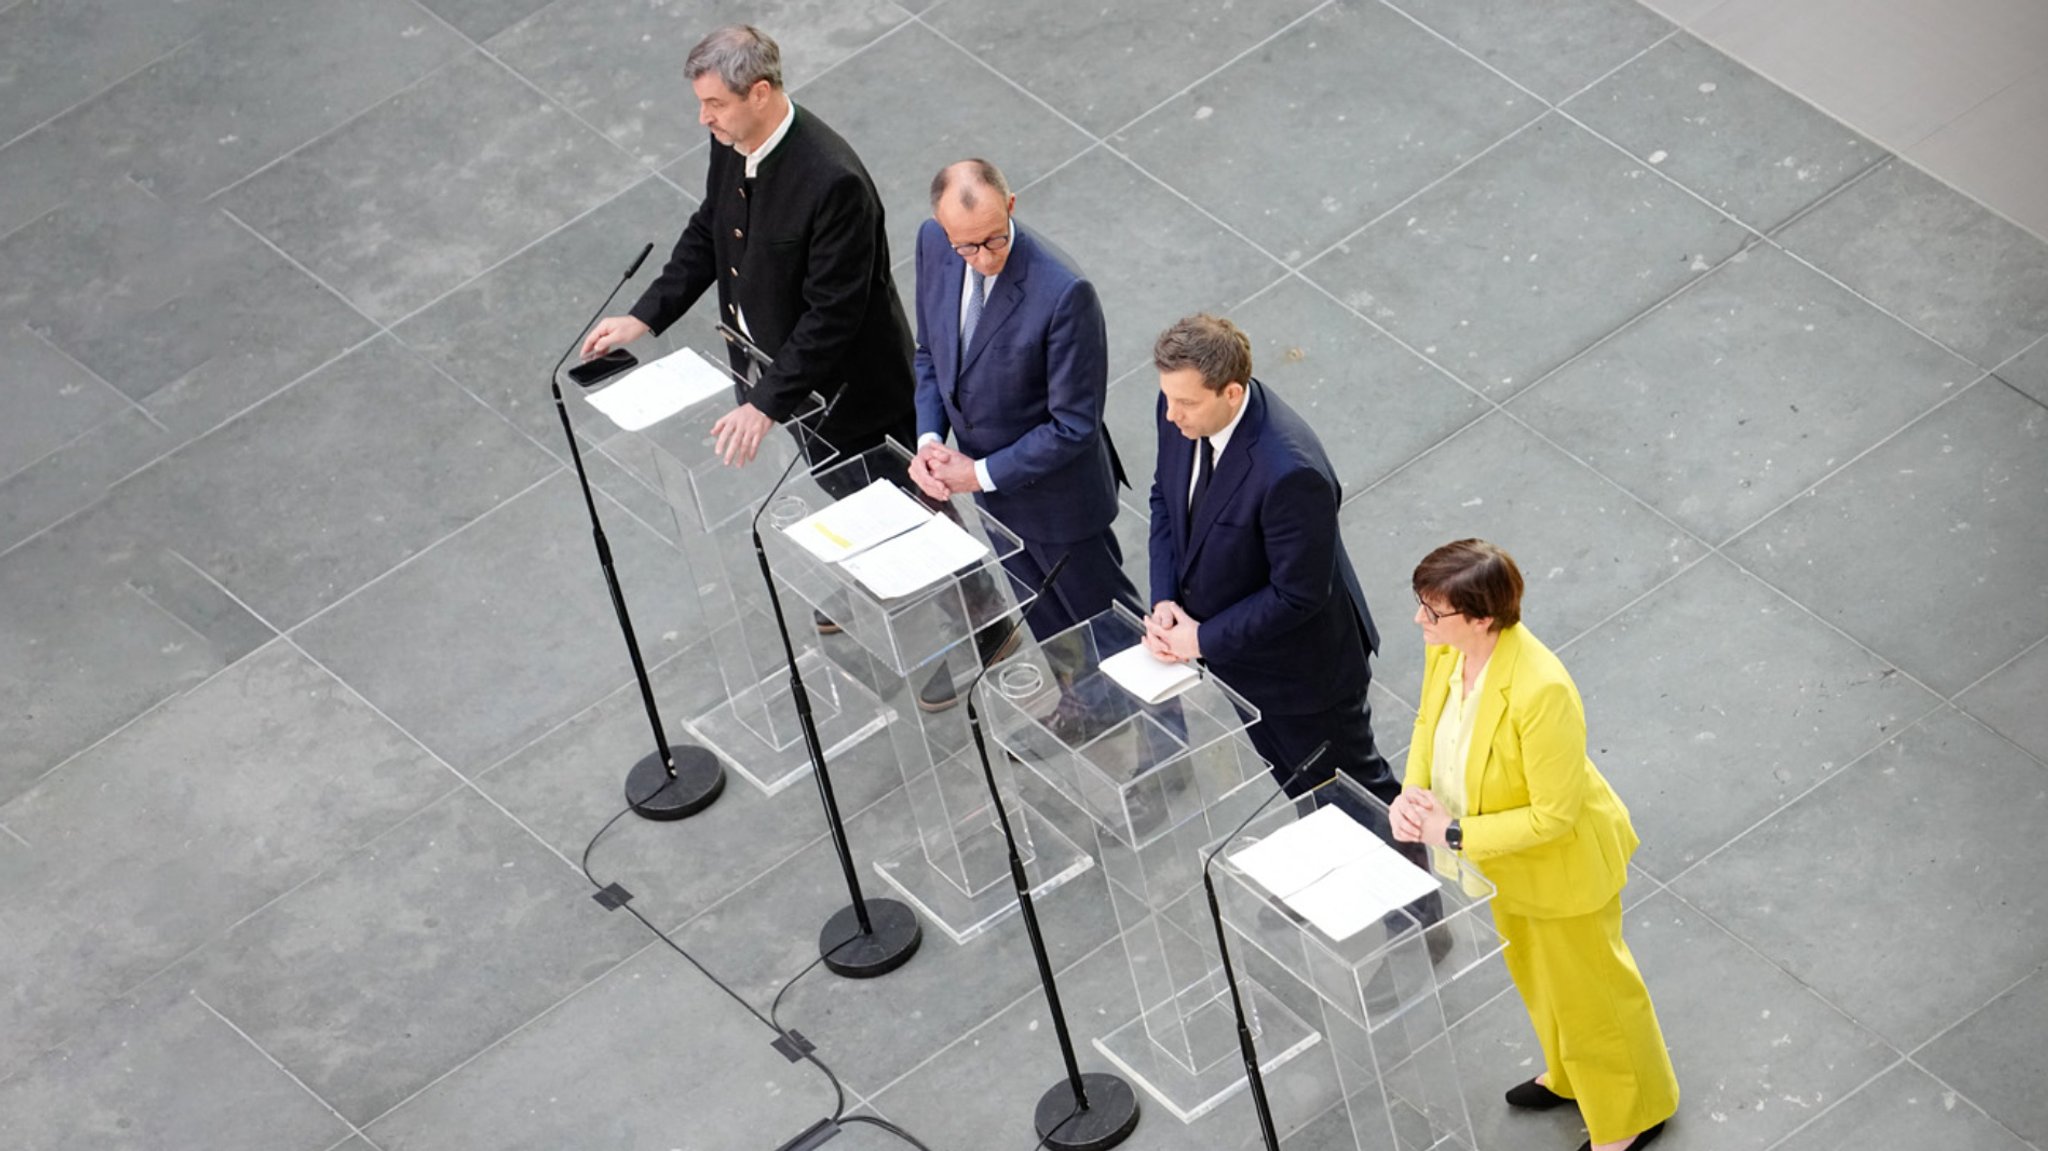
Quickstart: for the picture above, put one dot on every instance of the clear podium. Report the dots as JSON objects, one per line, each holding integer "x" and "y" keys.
{"x": 956, "y": 871}
{"x": 754, "y": 725}
{"x": 1158, "y": 782}
{"x": 1379, "y": 993}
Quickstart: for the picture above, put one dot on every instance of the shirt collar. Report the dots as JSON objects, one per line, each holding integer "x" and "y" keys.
{"x": 1221, "y": 438}
{"x": 759, "y": 154}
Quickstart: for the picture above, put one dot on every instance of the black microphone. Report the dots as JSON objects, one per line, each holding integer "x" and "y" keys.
{"x": 595, "y": 316}
{"x": 1245, "y": 1046}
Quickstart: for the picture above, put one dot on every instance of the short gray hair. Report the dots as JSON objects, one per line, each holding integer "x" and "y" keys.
{"x": 967, "y": 175}
{"x": 739, "y": 54}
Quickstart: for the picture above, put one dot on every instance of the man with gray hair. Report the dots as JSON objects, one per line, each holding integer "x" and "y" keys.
{"x": 791, "y": 232}
{"x": 1013, "y": 362}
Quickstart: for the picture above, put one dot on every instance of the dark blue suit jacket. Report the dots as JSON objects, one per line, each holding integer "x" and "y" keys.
{"x": 1283, "y": 620}
{"x": 1027, "y": 396}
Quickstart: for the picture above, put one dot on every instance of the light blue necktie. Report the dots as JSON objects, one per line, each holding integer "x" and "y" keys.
{"x": 973, "y": 318}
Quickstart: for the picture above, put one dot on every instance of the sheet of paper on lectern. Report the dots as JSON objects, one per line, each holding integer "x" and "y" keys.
{"x": 657, "y": 390}
{"x": 1334, "y": 873}
{"x": 1148, "y": 677}
{"x": 881, "y": 511}
{"x": 915, "y": 560}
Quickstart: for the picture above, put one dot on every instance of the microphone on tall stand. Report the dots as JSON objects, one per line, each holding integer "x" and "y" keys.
{"x": 869, "y": 937}
{"x": 675, "y": 780}
{"x": 1088, "y": 1112}
{"x": 1246, "y": 1048}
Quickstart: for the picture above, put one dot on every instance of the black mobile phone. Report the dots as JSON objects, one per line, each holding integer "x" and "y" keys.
{"x": 591, "y": 373}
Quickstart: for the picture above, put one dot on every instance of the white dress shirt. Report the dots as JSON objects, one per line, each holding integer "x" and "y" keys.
{"x": 1217, "y": 443}
{"x": 754, "y": 159}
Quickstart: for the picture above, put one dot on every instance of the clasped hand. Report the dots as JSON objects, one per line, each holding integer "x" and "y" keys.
{"x": 1171, "y": 634}
{"x": 1418, "y": 817}
{"x": 941, "y": 473}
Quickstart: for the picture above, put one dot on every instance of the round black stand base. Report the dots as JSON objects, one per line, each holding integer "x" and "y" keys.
{"x": 653, "y": 795}
{"x": 888, "y": 947}
{"x": 1111, "y": 1116}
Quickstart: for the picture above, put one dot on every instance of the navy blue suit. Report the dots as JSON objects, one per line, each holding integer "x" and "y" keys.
{"x": 1263, "y": 570}
{"x": 1027, "y": 398}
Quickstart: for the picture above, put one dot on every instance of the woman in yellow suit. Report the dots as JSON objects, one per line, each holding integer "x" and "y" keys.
{"x": 1498, "y": 771}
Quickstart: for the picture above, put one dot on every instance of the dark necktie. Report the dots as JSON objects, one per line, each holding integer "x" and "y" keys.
{"x": 974, "y": 305}
{"x": 1205, "y": 467}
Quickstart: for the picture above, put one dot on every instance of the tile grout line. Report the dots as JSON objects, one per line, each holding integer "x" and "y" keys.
{"x": 153, "y": 61}
{"x": 11, "y": 834}
{"x": 1787, "y": 1138}
{"x": 1461, "y": 50}
{"x": 131, "y": 401}
{"x": 1979, "y": 1108}
{"x": 302, "y": 1085}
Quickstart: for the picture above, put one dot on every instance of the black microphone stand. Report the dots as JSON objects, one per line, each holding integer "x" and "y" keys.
{"x": 868, "y": 938}
{"x": 1088, "y": 1112}
{"x": 674, "y": 780}
{"x": 1245, "y": 1047}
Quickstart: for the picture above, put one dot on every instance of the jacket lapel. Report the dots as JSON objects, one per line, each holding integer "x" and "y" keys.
{"x": 1231, "y": 469}
{"x": 946, "y": 340}
{"x": 1493, "y": 707}
{"x": 1002, "y": 303}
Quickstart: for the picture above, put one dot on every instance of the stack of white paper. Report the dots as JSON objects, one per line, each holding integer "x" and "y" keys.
{"x": 1148, "y": 677}
{"x": 655, "y": 391}
{"x": 887, "y": 541}
{"x": 1336, "y": 874}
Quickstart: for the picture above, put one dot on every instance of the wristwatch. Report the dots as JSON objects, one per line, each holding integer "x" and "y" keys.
{"x": 1454, "y": 836}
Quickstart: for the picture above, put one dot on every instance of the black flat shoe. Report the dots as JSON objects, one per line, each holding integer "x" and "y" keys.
{"x": 1643, "y": 1138}
{"x": 1534, "y": 1096}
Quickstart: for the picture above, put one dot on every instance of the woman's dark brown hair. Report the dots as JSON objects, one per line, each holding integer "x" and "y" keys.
{"x": 1475, "y": 578}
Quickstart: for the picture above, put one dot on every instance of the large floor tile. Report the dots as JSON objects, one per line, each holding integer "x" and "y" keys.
{"x": 571, "y": 781}
{"x": 99, "y": 629}
{"x": 146, "y": 846}
{"x": 618, "y": 64}
{"x": 160, "y": 1071}
{"x": 1171, "y": 260}
{"x": 78, "y": 473}
{"x": 1338, "y": 119}
{"x": 180, "y": 309}
{"x": 478, "y": 653}
{"x": 52, "y": 400}
{"x": 1527, "y": 257}
{"x": 482, "y": 19}
{"x": 1714, "y": 702}
{"x": 961, "y": 109}
{"x": 1975, "y": 152}
{"x": 1994, "y": 1057}
{"x": 500, "y": 333}
{"x": 1497, "y": 481}
{"x": 1873, "y": 865}
{"x": 1903, "y": 1110}
{"x": 1896, "y": 70}
{"x": 1106, "y": 66}
{"x": 55, "y": 54}
{"x": 411, "y": 956}
{"x": 1927, "y": 254}
{"x": 329, "y": 485}
{"x": 1958, "y": 551}
{"x": 260, "y": 80}
{"x": 1727, "y": 401}
{"x": 431, "y": 187}
{"x": 2010, "y": 701}
{"x": 873, "y": 1031}
{"x": 1554, "y": 50}
{"x": 1745, "y": 144}
{"x": 652, "y": 1055}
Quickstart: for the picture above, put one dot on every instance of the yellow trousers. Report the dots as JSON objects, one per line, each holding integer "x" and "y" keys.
{"x": 1593, "y": 1018}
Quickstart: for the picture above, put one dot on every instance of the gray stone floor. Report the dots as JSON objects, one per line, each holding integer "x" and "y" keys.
{"x": 310, "y": 699}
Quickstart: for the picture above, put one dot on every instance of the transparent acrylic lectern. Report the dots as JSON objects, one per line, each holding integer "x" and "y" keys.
{"x": 957, "y": 870}
{"x": 1380, "y": 995}
{"x": 754, "y": 726}
{"x": 1158, "y": 781}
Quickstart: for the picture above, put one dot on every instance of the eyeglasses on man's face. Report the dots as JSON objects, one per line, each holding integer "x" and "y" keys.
{"x": 993, "y": 245}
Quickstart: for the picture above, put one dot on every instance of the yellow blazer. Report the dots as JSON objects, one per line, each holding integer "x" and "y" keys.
{"x": 1543, "y": 824}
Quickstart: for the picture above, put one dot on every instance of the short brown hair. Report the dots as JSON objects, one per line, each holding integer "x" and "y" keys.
{"x": 1476, "y": 578}
{"x": 1211, "y": 345}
